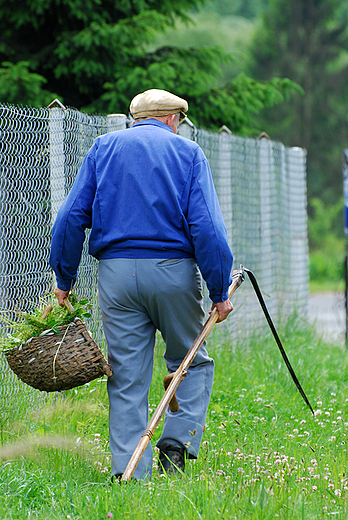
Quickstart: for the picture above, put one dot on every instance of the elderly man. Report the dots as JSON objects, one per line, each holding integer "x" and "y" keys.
{"x": 148, "y": 197}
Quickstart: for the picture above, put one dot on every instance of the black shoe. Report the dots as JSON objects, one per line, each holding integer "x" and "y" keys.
{"x": 116, "y": 478}
{"x": 171, "y": 459}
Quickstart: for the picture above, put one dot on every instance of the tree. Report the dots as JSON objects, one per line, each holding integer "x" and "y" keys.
{"x": 94, "y": 55}
{"x": 307, "y": 41}
{"x": 17, "y": 83}
{"x": 194, "y": 75}
{"x": 245, "y": 8}
{"x": 77, "y": 45}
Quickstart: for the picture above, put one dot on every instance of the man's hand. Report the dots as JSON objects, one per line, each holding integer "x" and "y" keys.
{"x": 223, "y": 308}
{"x": 61, "y": 295}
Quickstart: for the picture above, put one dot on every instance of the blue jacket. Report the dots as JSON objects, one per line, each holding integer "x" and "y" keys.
{"x": 145, "y": 193}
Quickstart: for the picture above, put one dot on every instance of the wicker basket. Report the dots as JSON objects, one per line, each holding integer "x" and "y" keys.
{"x": 53, "y": 362}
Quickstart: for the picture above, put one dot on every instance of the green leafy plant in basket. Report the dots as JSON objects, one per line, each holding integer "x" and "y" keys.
{"x": 29, "y": 325}
{"x": 51, "y": 348}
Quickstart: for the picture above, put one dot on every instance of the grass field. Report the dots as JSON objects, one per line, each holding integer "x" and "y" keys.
{"x": 264, "y": 456}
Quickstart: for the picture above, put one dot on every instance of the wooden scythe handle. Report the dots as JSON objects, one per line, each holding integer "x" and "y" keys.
{"x": 176, "y": 378}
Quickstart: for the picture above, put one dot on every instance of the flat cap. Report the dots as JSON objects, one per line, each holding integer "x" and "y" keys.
{"x": 157, "y": 103}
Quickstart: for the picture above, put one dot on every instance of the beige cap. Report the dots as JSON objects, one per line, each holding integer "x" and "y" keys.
{"x": 157, "y": 103}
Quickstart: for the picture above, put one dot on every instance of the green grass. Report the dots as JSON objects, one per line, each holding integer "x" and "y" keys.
{"x": 316, "y": 286}
{"x": 263, "y": 454}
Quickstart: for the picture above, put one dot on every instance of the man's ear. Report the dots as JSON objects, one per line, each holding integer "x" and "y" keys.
{"x": 170, "y": 119}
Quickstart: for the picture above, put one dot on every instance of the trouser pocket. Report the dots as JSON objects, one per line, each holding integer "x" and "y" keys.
{"x": 169, "y": 262}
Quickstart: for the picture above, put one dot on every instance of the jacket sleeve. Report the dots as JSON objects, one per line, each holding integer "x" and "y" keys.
{"x": 208, "y": 231}
{"x": 74, "y": 216}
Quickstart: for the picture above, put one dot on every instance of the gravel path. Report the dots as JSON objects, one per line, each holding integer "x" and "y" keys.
{"x": 327, "y": 312}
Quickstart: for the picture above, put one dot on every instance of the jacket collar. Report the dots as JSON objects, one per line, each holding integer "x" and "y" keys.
{"x": 153, "y": 122}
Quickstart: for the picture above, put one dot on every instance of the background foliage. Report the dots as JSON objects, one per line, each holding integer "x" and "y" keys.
{"x": 305, "y": 41}
{"x": 279, "y": 66}
{"x": 97, "y": 56}
{"x": 309, "y": 40}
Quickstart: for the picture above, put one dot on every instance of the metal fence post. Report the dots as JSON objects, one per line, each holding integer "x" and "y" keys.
{"x": 57, "y": 159}
{"x": 116, "y": 122}
{"x": 187, "y": 129}
{"x": 268, "y": 266}
{"x": 298, "y": 233}
{"x": 224, "y": 186}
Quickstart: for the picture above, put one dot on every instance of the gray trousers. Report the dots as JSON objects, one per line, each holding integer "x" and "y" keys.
{"x": 137, "y": 297}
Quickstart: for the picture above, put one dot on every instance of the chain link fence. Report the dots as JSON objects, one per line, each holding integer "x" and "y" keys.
{"x": 261, "y": 186}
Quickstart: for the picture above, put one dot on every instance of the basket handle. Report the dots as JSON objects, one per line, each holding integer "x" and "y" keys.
{"x": 68, "y": 305}
{"x": 49, "y": 308}
{"x": 46, "y": 312}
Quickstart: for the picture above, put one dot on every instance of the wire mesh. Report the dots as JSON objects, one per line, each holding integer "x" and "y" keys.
{"x": 261, "y": 187}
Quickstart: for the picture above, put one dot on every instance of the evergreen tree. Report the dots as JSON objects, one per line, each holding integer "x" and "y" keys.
{"x": 77, "y": 45}
{"x": 246, "y": 8}
{"x": 94, "y": 55}
{"x": 307, "y": 41}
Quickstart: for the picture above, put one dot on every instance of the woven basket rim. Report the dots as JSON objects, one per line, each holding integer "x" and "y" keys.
{"x": 45, "y": 333}
{"x": 78, "y": 360}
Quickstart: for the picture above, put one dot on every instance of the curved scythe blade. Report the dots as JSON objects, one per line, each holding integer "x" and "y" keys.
{"x": 276, "y": 337}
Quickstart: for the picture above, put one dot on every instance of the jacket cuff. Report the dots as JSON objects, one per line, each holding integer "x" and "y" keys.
{"x": 217, "y": 298}
{"x": 65, "y": 285}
